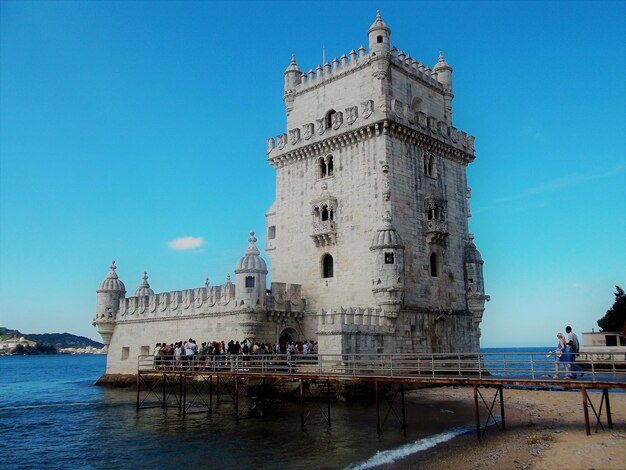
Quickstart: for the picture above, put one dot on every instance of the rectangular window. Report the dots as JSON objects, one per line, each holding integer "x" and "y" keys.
{"x": 145, "y": 350}
{"x": 125, "y": 353}
{"x": 388, "y": 258}
{"x": 249, "y": 281}
{"x": 271, "y": 232}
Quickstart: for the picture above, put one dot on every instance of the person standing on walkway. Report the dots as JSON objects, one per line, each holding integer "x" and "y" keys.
{"x": 572, "y": 348}
{"x": 561, "y": 356}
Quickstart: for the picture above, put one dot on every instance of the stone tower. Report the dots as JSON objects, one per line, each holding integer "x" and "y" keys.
{"x": 371, "y": 216}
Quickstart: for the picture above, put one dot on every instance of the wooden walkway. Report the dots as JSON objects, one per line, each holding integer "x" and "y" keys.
{"x": 192, "y": 385}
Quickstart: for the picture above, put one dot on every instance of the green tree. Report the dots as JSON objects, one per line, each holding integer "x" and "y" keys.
{"x": 615, "y": 318}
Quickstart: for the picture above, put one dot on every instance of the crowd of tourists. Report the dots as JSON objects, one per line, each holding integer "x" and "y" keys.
{"x": 219, "y": 355}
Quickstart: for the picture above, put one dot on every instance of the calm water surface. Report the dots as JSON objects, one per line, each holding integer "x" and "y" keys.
{"x": 52, "y": 416}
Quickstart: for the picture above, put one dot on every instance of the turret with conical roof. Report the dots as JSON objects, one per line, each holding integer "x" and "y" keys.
{"x": 292, "y": 75}
{"x": 444, "y": 76}
{"x": 251, "y": 273}
{"x": 379, "y": 36}
{"x": 108, "y": 296}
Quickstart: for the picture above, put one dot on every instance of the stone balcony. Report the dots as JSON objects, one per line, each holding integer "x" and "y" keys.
{"x": 436, "y": 231}
{"x": 324, "y": 232}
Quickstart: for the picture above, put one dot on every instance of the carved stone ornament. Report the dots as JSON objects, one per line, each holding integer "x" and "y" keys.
{"x": 421, "y": 120}
{"x": 351, "y": 114}
{"x": 270, "y": 144}
{"x": 308, "y": 131}
{"x": 282, "y": 141}
{"x": 470, "y": 143}
{"x": 398, "y": 108}
{"x": 321, "y": 126}
{"x": 432, "y": 124}
{"x": 454, "y": 135}
{"x": 294, "y": 136}
{"x": 337, "y": 120}
{"x": 367, "y": 108}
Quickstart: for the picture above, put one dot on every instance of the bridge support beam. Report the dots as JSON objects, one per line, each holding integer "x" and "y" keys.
{"x": 480, "y": 428}
{"x": 604, "y": 403}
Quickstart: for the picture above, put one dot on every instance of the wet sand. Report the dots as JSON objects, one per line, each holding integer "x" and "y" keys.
{"x": 544, "y": 430}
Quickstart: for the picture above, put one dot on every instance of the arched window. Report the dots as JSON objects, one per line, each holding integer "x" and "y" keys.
{"x": 327, "y": 266}
{"x": 433, "y": 265}
{"x": 324, "y": 213}
{"x": 329, "y": 118}
{"x": 322, "y": 167}
{"x": 329, "y": 165}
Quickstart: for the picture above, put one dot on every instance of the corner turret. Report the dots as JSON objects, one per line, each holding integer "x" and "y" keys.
{"x": 379, "y": 36}
{"x": 444, "y": 76}
{"x": 292, "y": 76}
{"x": 107, "y": 305}
{"x": 474, "y": 284}
{"x": 251, "y": 272}
{"x": 388, "y": 281}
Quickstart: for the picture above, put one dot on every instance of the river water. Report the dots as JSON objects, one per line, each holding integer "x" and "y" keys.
{"x": 53, "y": 416}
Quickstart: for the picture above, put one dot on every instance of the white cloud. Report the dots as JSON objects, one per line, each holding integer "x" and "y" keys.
{"x": 186, "y": 243}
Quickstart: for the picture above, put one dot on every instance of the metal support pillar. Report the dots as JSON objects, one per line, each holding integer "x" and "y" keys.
{"x": 180, "y": 392}
{"x": 237, "y": 397}
{"x": 328, "y": 398}
{"x": 476, "y": 411}
{"x": 609, "y": 420}
{"x": 211, "y": 394}
{"x": 164, "y": 400}
{"x": 301, "y": 404}
{"x": 138, "y": 388}
{"x": 403, "y": 409}
{"x": 586, "y": 411}
{"x": 184, "y": 397}
{"x": 502, "y": 407}
{"x": 377, "y": 408}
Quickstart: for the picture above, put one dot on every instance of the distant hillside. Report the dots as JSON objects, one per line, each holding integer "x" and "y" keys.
{"x": 59, "y": 340}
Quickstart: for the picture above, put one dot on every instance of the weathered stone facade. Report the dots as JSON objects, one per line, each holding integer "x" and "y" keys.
{"x": 369, "y": 225}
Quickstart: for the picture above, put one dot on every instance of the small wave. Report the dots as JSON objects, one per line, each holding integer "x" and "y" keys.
{"x": 44, "y": 405}
{"x": 390, "y": 456}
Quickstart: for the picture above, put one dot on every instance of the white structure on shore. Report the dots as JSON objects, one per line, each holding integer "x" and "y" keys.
{"x": 368, "y": 235}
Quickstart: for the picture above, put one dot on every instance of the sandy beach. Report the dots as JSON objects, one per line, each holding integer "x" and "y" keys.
{"x": 544, "y": 430}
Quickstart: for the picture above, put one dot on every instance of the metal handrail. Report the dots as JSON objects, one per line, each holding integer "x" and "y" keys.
{"x": 510, "y": 365}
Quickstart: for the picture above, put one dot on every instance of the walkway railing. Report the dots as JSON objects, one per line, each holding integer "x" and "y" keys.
{"x": 485, "y": 365}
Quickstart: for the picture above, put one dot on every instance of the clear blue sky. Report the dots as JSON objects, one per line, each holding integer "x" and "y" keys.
{"x": 127, "y": 125}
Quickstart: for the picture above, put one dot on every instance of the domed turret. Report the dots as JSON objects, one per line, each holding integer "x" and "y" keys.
{"x": 112, "y": 282}
{"x": 144, "y": 287}
{"x": 444, "y": 72}
{"x": 251, "y": 272}
{"x": 379, "y": 36}
{"x": 108, "y": 296}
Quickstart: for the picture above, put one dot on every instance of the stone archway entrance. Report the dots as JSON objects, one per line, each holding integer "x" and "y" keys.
{"x": 287, "y": 336}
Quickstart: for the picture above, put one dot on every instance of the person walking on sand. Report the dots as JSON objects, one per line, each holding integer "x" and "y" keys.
{"x": 561, "y": 356}
{"x": 572, "y": 352}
